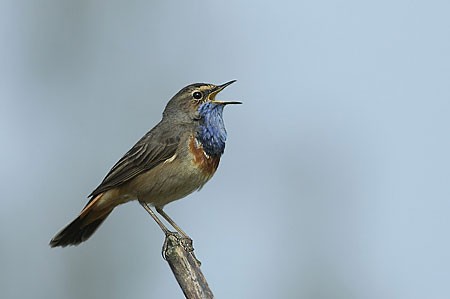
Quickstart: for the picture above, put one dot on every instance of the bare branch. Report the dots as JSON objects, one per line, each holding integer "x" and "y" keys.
{"x": 179, "y": 253}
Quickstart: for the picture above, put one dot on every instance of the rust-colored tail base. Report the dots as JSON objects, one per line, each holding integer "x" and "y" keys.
{"x": 79, "y": 230}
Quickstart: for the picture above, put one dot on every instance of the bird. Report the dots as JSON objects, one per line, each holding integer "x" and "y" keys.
{"x": 175, "y": 158}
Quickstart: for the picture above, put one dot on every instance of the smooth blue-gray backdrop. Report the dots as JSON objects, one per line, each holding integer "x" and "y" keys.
{"x": 335, "y": 180}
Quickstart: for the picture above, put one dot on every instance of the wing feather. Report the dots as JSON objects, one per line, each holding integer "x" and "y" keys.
{"x": 144, "y": 155}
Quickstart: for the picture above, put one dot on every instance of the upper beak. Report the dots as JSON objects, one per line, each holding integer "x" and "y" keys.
{"x": 218, "y": 89}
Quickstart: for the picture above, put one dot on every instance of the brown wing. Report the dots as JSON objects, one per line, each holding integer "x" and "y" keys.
{"x": 144, "y": 155}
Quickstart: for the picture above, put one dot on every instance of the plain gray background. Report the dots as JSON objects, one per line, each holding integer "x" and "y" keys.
{"x": 335, "y": 179}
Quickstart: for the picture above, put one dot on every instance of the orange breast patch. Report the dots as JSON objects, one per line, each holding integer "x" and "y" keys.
{"x": 206, "y": 163}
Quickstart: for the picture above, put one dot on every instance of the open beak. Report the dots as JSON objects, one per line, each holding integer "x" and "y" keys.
{"x": 219, "y": 88}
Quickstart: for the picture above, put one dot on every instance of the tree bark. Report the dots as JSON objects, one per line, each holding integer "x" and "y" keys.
{"x": 179, "y": 253}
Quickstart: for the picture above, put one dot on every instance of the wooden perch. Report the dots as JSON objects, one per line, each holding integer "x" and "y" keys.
{"x": 179, "y": 253}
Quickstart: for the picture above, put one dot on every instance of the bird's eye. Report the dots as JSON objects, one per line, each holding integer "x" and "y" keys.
{"x": 197, "y": 95}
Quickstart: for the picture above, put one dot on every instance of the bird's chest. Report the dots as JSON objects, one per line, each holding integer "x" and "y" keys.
{"x": 204, "y": 163}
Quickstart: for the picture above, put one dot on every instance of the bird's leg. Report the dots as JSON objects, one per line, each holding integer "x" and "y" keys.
{"x": 162, "y": 213}
{"x": 166, "y": 231}
{"x": 150, "y": 211}
{"x": 187, "y": 241}
{"x": 184, "y": 240}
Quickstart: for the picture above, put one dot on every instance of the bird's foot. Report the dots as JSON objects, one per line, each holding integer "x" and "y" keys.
{"x": 187, "y": 244}
{"x": 170, "y": 236}
{"x": 174, "y": 239}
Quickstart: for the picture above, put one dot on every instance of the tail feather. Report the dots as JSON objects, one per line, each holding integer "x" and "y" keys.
{"x": 78, "y": 230}
{"x": 90, "y": 218}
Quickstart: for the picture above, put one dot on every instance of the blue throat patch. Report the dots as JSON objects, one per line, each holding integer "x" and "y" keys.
{"x": 211, "y": 132}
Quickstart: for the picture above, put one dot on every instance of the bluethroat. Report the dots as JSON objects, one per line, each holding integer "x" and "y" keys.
{"x": 178, "y": 156}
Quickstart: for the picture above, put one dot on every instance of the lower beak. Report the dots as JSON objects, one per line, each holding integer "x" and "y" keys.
{"x": 227, "y": 103}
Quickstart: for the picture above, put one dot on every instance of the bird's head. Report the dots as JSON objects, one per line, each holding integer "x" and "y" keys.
{"x": 194, "y": 100}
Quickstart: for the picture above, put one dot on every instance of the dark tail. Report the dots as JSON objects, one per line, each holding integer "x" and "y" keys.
{"x": 78, "y": 230}
{"x": 90, "y": 218}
